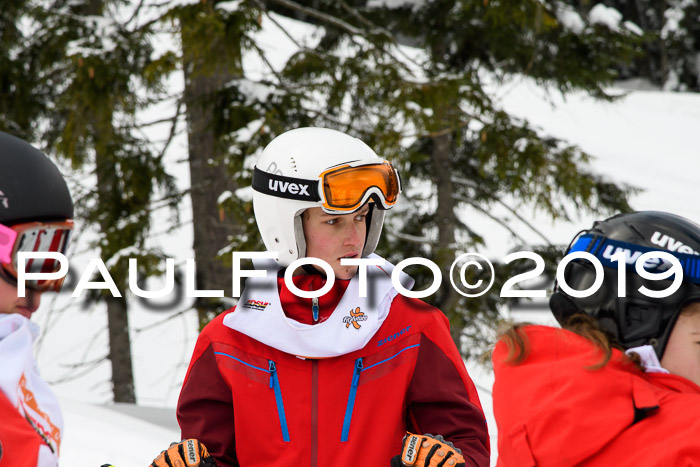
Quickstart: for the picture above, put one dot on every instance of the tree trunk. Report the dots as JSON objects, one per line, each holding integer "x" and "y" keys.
{"x": 117, "y": 309}
{"x": 443, "y": 146}
{"x": 447, "y": 298}
{"x": 120, "y": 351}
{"x": 209, "y": 179}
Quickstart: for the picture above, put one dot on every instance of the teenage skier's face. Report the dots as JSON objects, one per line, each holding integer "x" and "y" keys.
{"x": 332, "y": 237}
{"x": 682, "y": 354}
{"x": 11, "y": 303}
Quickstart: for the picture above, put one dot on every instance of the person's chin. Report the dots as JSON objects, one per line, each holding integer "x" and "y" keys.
{"x": 346, "y": 274}
{"x": 24, "y": 311}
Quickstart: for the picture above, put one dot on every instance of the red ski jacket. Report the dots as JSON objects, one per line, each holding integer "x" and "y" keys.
{"x": 19, "y": 442}
{"x": 553, "y": 411}
{"x": 253, "y": 405}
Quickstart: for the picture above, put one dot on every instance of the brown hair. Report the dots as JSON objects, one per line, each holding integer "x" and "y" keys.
{"x": 585, "y": 326}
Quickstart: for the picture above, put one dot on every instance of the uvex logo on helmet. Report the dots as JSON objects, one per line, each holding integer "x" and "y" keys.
{"x": 671, "y": 244}
{"x": 293, "y": 188}
{"x": 631, "y": 257}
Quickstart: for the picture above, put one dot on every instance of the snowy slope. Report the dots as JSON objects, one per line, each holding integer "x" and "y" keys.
{"x": 97, "y": 435}
{"x": 649, "y": 139}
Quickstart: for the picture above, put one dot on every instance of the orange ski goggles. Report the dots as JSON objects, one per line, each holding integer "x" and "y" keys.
{"x": 40, "y": 237}
{"x": 348, "y": 187}
{"x": 340, "y": 190}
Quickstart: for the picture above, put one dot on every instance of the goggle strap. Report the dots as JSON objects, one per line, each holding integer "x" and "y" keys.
{"x": 285, "y": 187}
{"x": 603, "y": 247}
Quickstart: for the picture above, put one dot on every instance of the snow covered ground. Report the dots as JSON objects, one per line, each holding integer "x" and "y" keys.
{"x": 648, "y": 139}
{"x": 97, "y": 435}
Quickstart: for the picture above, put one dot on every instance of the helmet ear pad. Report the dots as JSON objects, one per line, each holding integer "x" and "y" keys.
{"x": 299, "y": 233}
{"x": 375, "y": 221}
{"x": 562, "y": 307}
{"x": 581, "y": 275}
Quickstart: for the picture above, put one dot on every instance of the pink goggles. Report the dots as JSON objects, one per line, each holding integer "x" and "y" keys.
{"x": 40, "y": 237}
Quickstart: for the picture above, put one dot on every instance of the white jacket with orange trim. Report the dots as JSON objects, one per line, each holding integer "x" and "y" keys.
{"x": 32, "y": 423}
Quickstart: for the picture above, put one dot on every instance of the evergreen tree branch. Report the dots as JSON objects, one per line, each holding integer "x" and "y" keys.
{"x": 332, "y": 20}
{"x": 171, "y": 134}
{"x": 263, "y": 57}
{"x": 157, "y": 19}
{"x": 408, "y": 237}
{"x": 135, "y": 14}
{"x": 162, "y": 321}
{"x": 380, "y": 30}
{"x": 88, "y": 367}
{"x": 451, "y": 129}
{"x": 356, "y": 14}
{"x": 503, "y": 223}
{"x": 178, "y": 113}
{"x": 277, "y": 23}
{"x": 495, "y": 198}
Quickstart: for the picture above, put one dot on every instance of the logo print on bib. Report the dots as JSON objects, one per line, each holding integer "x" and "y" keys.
{"x": 256, "y": 304}
{"x": 355, "y": 317}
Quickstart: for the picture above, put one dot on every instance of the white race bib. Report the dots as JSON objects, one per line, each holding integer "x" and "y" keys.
{"x": 352, "y": 324}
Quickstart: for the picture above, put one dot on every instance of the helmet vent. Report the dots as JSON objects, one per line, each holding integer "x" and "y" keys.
{"x": 277, "y": 240}
{"x": 294, "y": 163}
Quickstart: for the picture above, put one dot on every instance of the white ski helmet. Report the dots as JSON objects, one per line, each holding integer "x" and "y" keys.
{"x": 318, "y": 167}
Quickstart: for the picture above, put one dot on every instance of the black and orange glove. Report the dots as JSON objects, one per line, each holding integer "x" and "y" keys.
{"x": 428, "y": 451}
{"x": 186, "y": 453}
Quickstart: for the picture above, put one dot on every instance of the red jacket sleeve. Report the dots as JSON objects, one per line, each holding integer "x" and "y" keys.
{"x": 442, "y": 399}
{"x": 205, "y": 407}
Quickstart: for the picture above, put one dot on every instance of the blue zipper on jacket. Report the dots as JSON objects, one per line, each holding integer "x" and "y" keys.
{"x": 351, "y": 399}
{"x": 359, "y": 368}
{"x": 274, "y": 384}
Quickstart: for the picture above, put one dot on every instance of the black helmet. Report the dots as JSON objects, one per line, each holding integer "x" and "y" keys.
{"x": 635, "y": 319}
{"x": 31, "y": 187}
